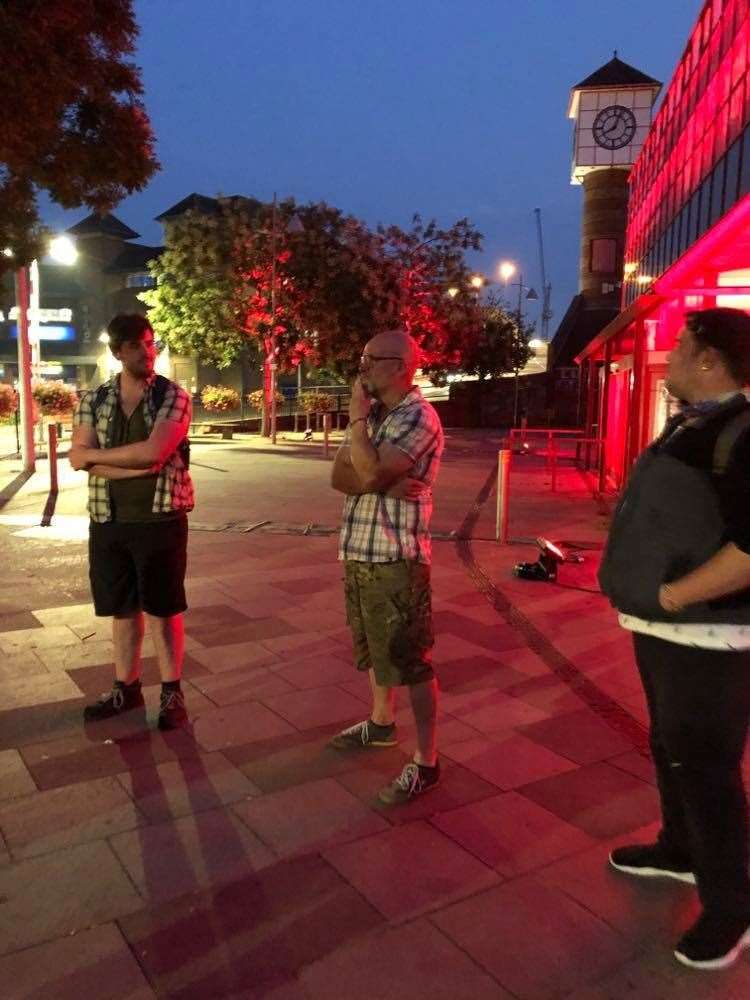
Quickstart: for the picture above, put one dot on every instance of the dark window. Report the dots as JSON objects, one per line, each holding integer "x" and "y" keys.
{"x": 745, "y": 169}
{"x": 717, "y": 201}
{"x": 733, "y": 174}
{"x": 705, "y": 211}
{"x": 695, "y": 203}
{"x": 603, "y": 256}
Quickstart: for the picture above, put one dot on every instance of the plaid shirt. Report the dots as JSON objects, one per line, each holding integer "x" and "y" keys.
{"x": 378, "y": 528}
{"x": 174, "y": 488}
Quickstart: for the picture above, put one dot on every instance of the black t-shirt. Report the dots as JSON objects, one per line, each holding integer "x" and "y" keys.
{"x": 695, "y": 442}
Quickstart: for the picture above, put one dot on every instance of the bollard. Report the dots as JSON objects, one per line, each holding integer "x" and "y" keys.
{"x": 326, "y": 433}
{"x": 52, "y": 451}
{"x": 503, "y": 498}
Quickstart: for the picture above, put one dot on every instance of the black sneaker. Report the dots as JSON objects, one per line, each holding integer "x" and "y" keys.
{"x": 415, "y": 779}
{"x": 122, "y": 698}
{"x": 364, "y": 735}
{"x": 649, "y": 861}
{"x": 713, "y": 942}
{"x": 172, "y": 713}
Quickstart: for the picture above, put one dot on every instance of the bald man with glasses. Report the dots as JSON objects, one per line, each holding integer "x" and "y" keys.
{"x": 386, "y": 468}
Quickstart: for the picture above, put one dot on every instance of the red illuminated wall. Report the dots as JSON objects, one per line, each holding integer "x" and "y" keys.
{"x": 695, "y": 163}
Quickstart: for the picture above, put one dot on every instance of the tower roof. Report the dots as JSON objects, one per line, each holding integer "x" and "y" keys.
{"x": 193, "y": 202}
{"x": 104, "y": 224}
{"x": 617, "y": 73}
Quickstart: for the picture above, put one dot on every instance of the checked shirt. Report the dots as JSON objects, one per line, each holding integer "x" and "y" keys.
{"x": 378, "y": 528}
{"x": 174, "y": 488}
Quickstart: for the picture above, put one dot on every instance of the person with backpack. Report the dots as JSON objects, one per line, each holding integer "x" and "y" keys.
{"x": 131, "y": 436}
{"x": 677, "y": 568}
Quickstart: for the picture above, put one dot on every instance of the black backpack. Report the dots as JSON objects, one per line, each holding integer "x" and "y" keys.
{"x": 161, "y": 384}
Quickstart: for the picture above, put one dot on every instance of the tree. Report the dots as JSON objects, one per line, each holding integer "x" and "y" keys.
{"x": 337, "y": 283}
{"x": 199, "y": 303}
{"x": 501, "y": 347}
{"x": 73, "y": 122}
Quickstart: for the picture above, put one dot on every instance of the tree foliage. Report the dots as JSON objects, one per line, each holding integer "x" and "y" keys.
{"x": 500, "y": 346}
{"x": 337, "y": 283}
{"x": 73, "y": 122}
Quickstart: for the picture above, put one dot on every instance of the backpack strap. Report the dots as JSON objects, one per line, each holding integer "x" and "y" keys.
{"x": 99, "y": 396}
{"x": 728, "y": 437}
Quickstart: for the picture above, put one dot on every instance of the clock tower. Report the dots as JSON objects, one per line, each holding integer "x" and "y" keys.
{"x": 612, "y": 109}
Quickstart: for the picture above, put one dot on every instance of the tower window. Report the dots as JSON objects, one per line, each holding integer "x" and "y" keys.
{"x": 603, "y": 256}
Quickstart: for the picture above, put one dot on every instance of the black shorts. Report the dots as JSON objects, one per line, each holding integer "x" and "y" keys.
{"x": 139, "y": 567}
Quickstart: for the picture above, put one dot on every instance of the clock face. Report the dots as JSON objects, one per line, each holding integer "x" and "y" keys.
{"x": 614, "y": 127}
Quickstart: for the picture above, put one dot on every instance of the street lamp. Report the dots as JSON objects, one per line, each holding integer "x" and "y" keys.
{"x": 531, "y": 296}
{"x": 507, "y": 270}
{"x": 62, "y": 250}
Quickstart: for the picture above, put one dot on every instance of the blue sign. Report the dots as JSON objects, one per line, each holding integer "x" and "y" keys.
{"x": 49, "y": 331}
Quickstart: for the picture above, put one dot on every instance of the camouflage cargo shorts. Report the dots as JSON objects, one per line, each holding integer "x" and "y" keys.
{"x": 389, "y": 611}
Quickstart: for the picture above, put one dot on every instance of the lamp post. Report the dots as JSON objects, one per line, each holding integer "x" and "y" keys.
{"x": 270, "y": 366}
{"x": 63, "y": 251}
{"x": 531, "y": 296}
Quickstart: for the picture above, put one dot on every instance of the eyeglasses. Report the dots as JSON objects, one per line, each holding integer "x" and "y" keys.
{"x": 367, "y": 359}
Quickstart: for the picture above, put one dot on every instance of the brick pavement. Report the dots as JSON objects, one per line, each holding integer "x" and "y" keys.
{"x": 243, "y": 858}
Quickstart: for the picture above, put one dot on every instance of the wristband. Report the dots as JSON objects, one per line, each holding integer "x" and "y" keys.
{"x": 353, "y": 422}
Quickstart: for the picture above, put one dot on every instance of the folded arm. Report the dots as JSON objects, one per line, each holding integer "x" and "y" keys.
{"x": 145, "y": 455}
{"x": 377, "y": 469}
{"x": 724, "y": 573}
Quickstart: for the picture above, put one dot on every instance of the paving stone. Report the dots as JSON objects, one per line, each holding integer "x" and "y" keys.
{"x": 234, "y": 725}
{"x": 317, "y": 671}
{"x": 246, "y": 684}
{"x": 471, "y": 674}
{"x": 61, "y": 817}
{"x": 86, "y": 654}
{"x": 258, "y": 929}
{"x": 33, "y": 689}
{"x": 290, "y": 648}
{"x": 511, "y": 834}
{"x": 568, "y": 949}
{"x": 457, "y": 787}
{"x": 35, "y": 723}
{"x": 580, "y": 736}
{"x": 645, "y": 979}
{"x": 249, "y": 631}
{"x": 417, "y": 957}
{"x": 598, "y": 798}
{"x": 635, "y": 763}
{"x": 17, "y": 620}
{"x": 316, "y": 707}
{"x": 15, "y": 780}
{"x": 495, "y": 637}
{"x": 187, "y": 785}
{"x": 493, "y": 711}
{"x": 508, "y": 761}
{"x": 101, "y": 750}
{"x": 439, "y": 871}
{"x": 647, "y": 911}
{"x": 83, "y": 886}
{"x": 94, "y": 964}
{"x": 307, "y": 757}
{"x": 193, "y": 852}
{"x": 93, "y": 680}
{"x": 235, "y": 656}
{"x": 19, "y": 665}
{"x": 213, "y": 615}
{"x": 309, "y": 817}
{"x": 305, "y": 585}
{"x": 55, "y": 637}
{"x": 548, "y": 693}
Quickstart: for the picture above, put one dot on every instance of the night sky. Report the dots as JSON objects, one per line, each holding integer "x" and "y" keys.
{"x": 389, "y": 107}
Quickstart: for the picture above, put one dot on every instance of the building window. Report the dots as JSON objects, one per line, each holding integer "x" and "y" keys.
{"x": 603, "y": 256}
{"x": 733, "y": 172}
{"x": 140, "y": 280}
